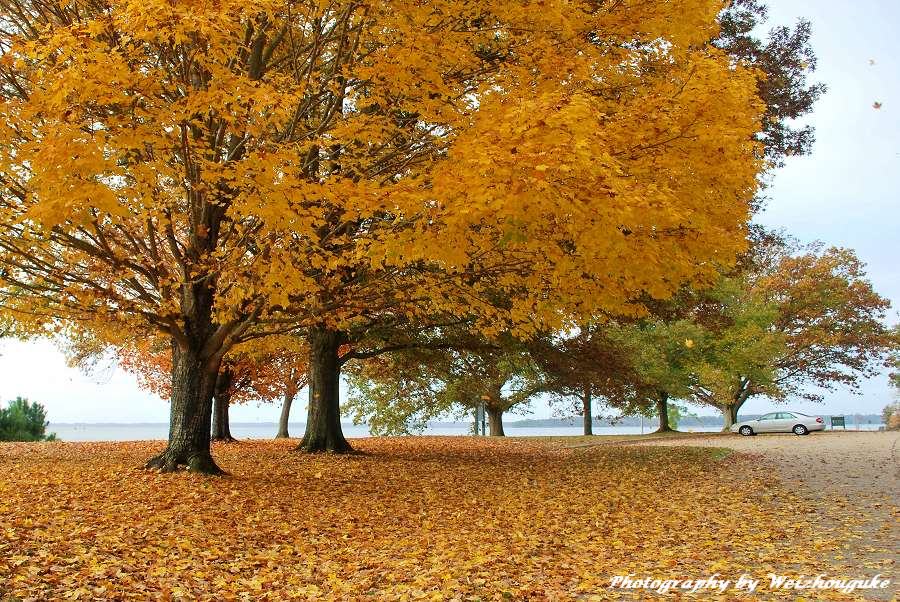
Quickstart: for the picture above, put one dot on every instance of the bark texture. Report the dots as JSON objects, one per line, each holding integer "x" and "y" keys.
{"x": 730, "y": 411}
{"x": 285, "y": 415}
{"x": 190, "y": 414}
{"x": 587, "y": 411}
{"x": 662, "y": 409}
{"x": 323, "y": 421}
{"x": 740, "y": 396}
{"x": 495, "y": 422}
{"x": 221, "y": 429}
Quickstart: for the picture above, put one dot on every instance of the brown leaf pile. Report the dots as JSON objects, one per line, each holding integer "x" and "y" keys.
{"x": 410, "y": 518}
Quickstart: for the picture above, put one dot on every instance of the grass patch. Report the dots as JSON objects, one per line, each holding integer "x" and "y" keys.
{"x": 719, "y": 453}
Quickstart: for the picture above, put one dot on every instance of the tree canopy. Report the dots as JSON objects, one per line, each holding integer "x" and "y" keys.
{"x": 235, "y": 170}
{"x": 795, "y": 323}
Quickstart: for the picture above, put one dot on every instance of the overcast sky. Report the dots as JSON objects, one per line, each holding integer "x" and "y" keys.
{"x": 844, "y": 194}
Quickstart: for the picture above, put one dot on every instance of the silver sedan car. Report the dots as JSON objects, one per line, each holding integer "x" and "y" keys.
{"x": 780, "y": 422}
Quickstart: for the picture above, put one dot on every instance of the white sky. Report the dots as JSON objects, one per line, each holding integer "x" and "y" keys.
{"x": 845, "y": 194}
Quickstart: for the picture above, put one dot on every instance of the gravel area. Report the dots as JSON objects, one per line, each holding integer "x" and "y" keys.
{"x": 851, "y": 462}
{"x": 855, "y": 477}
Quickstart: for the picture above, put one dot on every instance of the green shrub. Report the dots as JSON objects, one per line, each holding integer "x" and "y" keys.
{"x": 22, "y": 420}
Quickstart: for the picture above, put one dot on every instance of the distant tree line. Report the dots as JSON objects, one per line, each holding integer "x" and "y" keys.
{"x": 788, "y": 322}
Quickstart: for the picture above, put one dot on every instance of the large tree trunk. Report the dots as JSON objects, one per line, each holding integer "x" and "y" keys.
{"x": 495, "y": 422}
{"x": 662, "y": 408}
{"x": 587, "y": 411}
{"x": 285, "y": 414}
{"x": 323, "y": 422}
{"x": 739, "y": 397}
{"x": 221, "y": 429}
{"x": 730, "y": 412}
{"x": 193, "y": 387}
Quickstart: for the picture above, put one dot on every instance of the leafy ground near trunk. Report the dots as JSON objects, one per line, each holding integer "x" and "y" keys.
{"x": 409, "y": 518}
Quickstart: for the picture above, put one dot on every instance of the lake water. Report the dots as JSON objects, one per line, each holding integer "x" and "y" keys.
{"x": 263, "y": 430}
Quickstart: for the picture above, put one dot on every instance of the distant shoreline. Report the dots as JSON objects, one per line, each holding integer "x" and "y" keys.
{"x": 570, "y": 422}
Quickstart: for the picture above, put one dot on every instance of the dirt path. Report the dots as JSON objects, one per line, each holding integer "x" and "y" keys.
{"x": 854, "y": 475}
{"x": 861, "y": 463}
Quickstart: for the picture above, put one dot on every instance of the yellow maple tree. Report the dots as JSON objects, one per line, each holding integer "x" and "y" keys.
{"x": 218, "y": 171}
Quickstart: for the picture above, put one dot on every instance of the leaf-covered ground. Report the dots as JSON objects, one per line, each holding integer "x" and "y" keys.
{"x": 410, "y": 518}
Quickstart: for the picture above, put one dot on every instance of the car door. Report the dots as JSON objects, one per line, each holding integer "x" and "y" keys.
{"x": 766, "y": 423}
{"x": 785, "y": 422}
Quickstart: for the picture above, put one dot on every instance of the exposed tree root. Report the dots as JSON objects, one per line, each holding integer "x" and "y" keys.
{"x": 168, "y": 461}
{"x": 329, "y": 445}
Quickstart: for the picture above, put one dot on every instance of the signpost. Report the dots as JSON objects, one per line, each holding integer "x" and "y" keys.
{"x": 838, "y": 421}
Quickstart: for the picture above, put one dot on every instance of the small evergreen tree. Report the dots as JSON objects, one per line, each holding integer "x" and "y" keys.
{"x": 22, "y": 420}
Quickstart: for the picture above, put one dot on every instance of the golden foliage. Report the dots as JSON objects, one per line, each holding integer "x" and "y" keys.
{"x": 330, "y": 161}
{"x": 423, "y": 518}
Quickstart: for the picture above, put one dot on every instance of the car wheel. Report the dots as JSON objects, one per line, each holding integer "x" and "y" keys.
{"x": 800, "y": 430}
{"x": 746, "y": 431}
